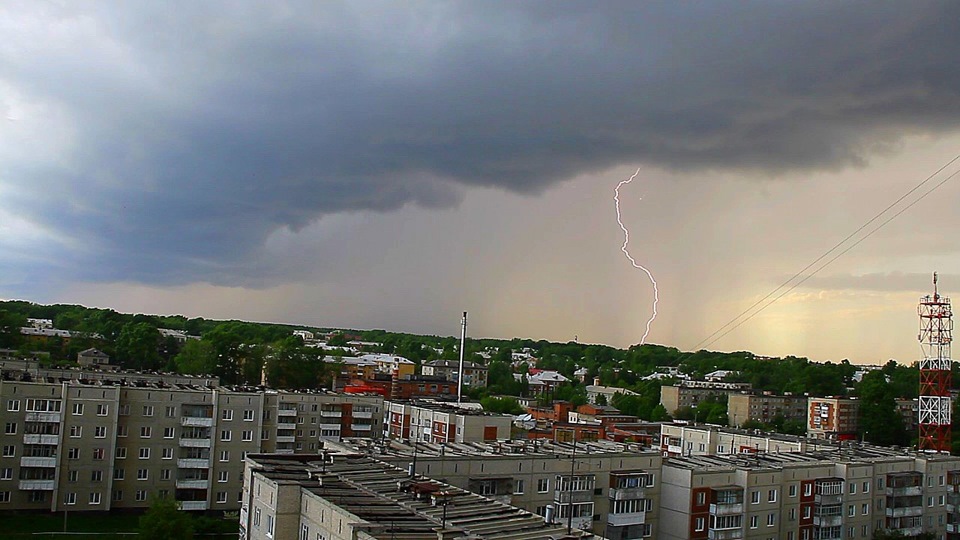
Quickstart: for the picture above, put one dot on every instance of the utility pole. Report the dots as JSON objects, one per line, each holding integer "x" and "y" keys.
{"x": 573, "y": 464}
{"x": 463, "y": 340}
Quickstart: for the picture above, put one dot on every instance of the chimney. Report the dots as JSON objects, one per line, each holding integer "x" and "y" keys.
{"x": 596, "y": 381}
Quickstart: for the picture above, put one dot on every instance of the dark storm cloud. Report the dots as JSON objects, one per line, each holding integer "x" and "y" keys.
{"x": 197, "y": 129}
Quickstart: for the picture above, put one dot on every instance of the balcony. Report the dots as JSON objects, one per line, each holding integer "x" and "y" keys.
{"x": 629, "y": 518}
{"x": 335, "y": 427}
{"x": 726, "y": 509}
{"x": 283, "y": 451}
{"x": 42, "y": 417}
{"x": 565, "y": 497}
{"x": 193, "y": 484}
{"x": 34, "y": 438}
{"x": 674, "y": 449}
{"x": 193, "y": 463}
{"x": 906, "y": 491}
{"x": 37, "y": 485}
{"x": 827, "y": 521}
{"x": 725, "y": 534}
{"x": 195, "y": 443}
{"x": 622, "y": 494}
{"x": 829, "y": 535}
{"x": 196, "y": 421}
{"x": 336, "y": 414}
{"x": 49, "y": 462}
{"x": 361, "y": 427}
{"x": 904, "y": 511}
{"x": 910, "y": 531}
{"x": 286, "y": 412}
{"x": 953, "y": 528}
{"x": 287, "y": 421}
{"x": 363, "y": 414}
{"x": 286, "y": 439}
{"x": 827, "y": 499}
{"x": 193, "y": 505}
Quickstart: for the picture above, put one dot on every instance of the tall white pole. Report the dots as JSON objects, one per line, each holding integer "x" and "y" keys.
{"x": 463, "y": 340}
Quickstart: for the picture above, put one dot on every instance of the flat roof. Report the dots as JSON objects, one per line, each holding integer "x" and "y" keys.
{"x": 391, "y": 448}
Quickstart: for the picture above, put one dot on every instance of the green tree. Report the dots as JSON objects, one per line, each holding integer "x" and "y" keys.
{"x": 164, "y": 521}
{"x": 138, "y": 345}
{"x": 880, "y": 423}
{"x": 196, "y": 357}
{"x": 504, "y": 405}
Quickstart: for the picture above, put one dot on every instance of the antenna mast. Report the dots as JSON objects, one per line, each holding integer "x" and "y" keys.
{"x": 463, "y": 340}
{"x": 935, "y": 407}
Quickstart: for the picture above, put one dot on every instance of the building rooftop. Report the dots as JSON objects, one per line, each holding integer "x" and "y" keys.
{"x": 856, "y": 453}
{"x": 532, "y": 448}
{"x": 396, "y": 506}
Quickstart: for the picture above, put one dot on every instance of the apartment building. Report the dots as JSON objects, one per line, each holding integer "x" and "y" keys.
{"x": 356, "y": 497}
{"x": 682, "y": 439}
{"x": 435, "y": 421}
{"x": 99, "y": 445}
{"x": 608, "y": 488}
{"x": 764, "y": 407}
{"x": 691, "y": 393}
{"x": 846, "y": 494}
{"x": 474, "y": 375}
{"x": 833, "y": 418}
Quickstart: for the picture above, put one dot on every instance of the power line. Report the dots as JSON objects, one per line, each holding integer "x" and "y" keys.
{"x": 706, "y": 342}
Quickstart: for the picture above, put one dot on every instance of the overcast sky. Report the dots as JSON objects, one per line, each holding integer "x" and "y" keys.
{"x": 389, "y": 165}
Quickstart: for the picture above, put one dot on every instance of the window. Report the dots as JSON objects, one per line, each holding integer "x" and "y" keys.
{"x": 72, "y": 476}
{"x": 148, "y": 410}
{"x": 247, "y": 435}
{"x": 98, "y": 454}
{"x": 13, "y": 405}
{"x": 118, "y": 474}
{"x": 143, "y": 474}
{"x": 248, "y": 416}
{"x": 865, "y": 509}
{"x": 121, "y": 452}
{"x": 164, "y": 474}
{"x": 76, "y": 431}
{"x": 223, "y": 476}
{"x": 6, "y": 474}
{"x": 167, "y": 453}
{"x": 4, "y": 496}
{"x": 96, "y": 476}
{"x": 100, "y": 432}
{"x": 103, "y": 410}
{"x": 771, "y": 519}
{"x": 807, "y": 490}
{"x": 806, "y": 512}
{"x": 95, "y": 497}
{"x": 543, "y": 485}
{"x": 168, "y": 432}
{"x": 793, "y": 490}
{"x": 73, "y": 453}
{"x": 224, "y": 455}
{"x": 118, "y": 494}
{"x": 518, "y": 487}
{"x": 227, "y": 414}
{"x": 124, "y": 410}
{"x": 940, "y": 500}
{"x": 755, "y": 496}
{"x": 144, "y": 453}
{"x": 70, "y": 499}
{"x": 141, "y": 495}
{"x": 772, "y": 495}
{"x": 11, "y": 428}
{"x": 701, "y": 498}
{"x": 225, "y": 435}
{"x": 146, "y": 432}
{"x": 853, "y": 488}
{"x": 221, "y": 497}
{"x": 121, "y": 430}
{"x": 699, "y": 524}
{"x": 256, "y": 517}
{"x": 865, "y": 486}
{"x": 171, "y": 411}
{"x": 754, "y": 522}
{"x": 78, "y": 409}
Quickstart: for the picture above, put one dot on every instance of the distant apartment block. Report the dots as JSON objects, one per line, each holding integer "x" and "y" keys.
{"x": 691, "y": 393}
{"x": 681, "y": 439}
{"x": 474, "y": 375}
{"x": 764, "y": 407}
{"x": 105, "y": 444}
{"x": 438, "y": 422}
{"x": 833, "y": 418}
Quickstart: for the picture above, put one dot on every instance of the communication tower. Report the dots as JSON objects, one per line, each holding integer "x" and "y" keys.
{"x": 936, "y": 333}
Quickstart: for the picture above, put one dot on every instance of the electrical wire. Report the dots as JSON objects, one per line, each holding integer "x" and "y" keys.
{"x": 706, "y": 342}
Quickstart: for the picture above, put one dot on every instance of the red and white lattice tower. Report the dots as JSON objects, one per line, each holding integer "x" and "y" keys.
{"x": 936, "y": 333}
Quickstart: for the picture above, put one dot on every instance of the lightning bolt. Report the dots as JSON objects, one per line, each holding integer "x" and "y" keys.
{"x": 623, "y": 248}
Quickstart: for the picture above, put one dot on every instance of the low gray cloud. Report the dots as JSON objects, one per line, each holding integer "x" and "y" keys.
{"x": 166, "y": 142}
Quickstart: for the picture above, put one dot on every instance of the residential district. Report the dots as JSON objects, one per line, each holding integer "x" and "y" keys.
{"x": 394, "y": 449}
